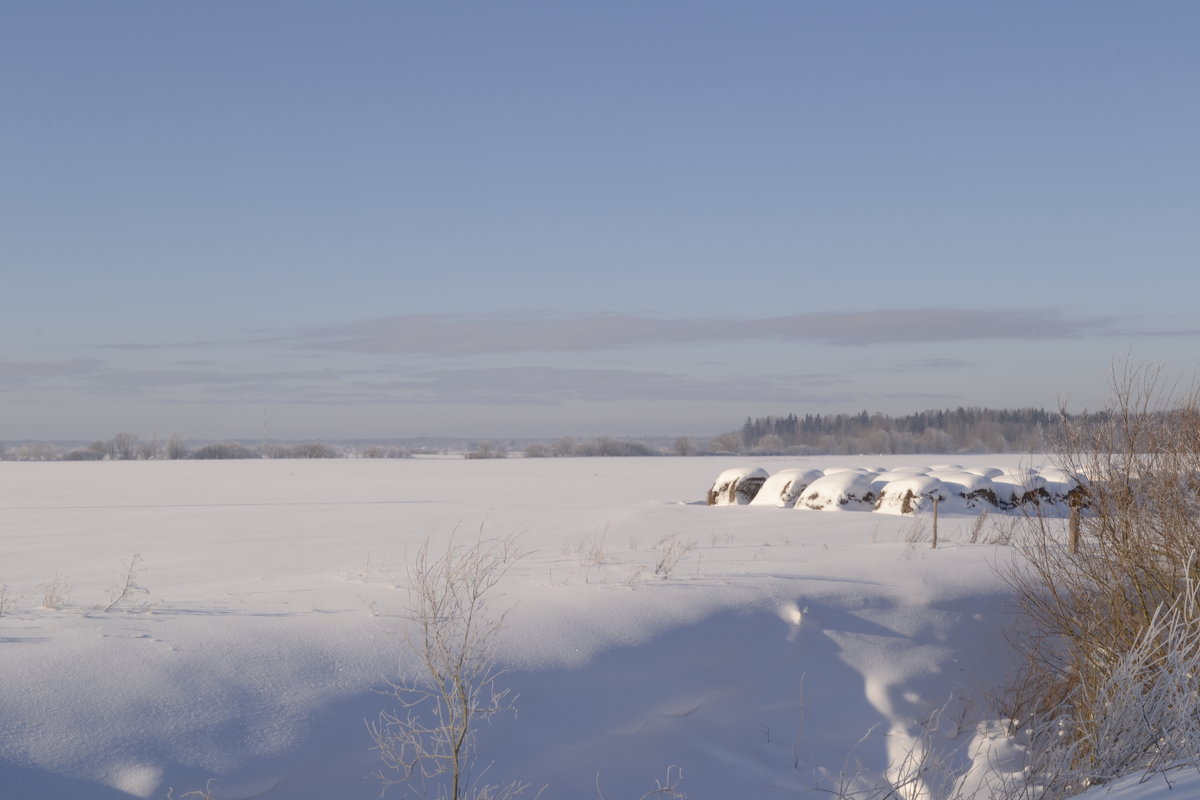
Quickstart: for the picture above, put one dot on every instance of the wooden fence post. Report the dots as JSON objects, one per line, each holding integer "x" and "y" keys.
{"x": 935, "y": 505}
{"x": 1073, "y": 539}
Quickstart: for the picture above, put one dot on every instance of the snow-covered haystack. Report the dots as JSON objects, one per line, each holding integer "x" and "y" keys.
{"x": 973, "y": 486}
{"x": 903, "y": 490}
{"x": 913, "y": 493}
{"x": 736, "y": 487}
{"x": 784, "y": 488}
{"x": 848, "y": 489}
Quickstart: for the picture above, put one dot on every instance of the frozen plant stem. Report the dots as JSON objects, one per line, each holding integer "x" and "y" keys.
{"x": 55, "y": 596}
{"x": 429, "y": 743}
{"x": 127, "y": 585}
{"x": 671, "y": 551}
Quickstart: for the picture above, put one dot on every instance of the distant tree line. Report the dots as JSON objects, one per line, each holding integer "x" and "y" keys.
{"x": 604, "y": 446}
{"x": 130, "y": 447}
{"x": 959, "y": 430}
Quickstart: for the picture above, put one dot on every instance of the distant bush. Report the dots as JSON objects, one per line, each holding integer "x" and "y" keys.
{"x": 608, "y": 447}
{"x": 684, "y": 446}
{"x": 377, "y": 451}
{"x": 34, "y": 451}
{"x": 83, "y": 454}
{"x": 488, "y": 450}
{"x": 176, "y": 449}
{"x": 302, "y": 450}
{"x": 538, "y": 450}
{"x": 224, "y": 450}
{"x": 726, "y": 443}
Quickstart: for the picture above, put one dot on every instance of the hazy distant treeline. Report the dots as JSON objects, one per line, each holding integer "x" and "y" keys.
{"x": 130, "y": 447}
{"x": 959, "y": 430}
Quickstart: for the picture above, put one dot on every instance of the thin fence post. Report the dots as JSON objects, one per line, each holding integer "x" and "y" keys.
{"x": 1073, "y": 540}
{"x": 935, "y": 505}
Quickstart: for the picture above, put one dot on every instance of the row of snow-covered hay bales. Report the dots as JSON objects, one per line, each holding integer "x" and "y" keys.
{"x": 901, "y": 490}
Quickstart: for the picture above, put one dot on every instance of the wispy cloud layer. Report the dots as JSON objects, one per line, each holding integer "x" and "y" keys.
{"x": 548, "y": 359}
{"x": 450, "y": 335}
{"x": 496, "y": 386}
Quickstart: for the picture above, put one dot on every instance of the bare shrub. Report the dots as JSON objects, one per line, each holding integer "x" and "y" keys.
{"x": 224, "y": 450}
{"x": 124, "y": 589}
{"x": 538, "y": 450}
{"x": 592, "y": 549}
{"x": 379, "y": 451}
{"x": 1142, "y": 718}
{"x": 485, "y": 450}
{"x": 684, "y": 446}
{"x": 176, "y": 448}
{"x": 916, "y": 532}
{"x": 34, "y": 451}
{"x": 149, "y": 450}
{"x": 978, "y": 526}
{"x": 1084, "y": 612}
{"x": 726, "y": 443}
{"x": 207, "y": 793}
{"x": 55, "y": 594}
{"x": 428, "y": 744}
{"x": 668, "y": 787}
{"x": 671, "y": 550}
{"x": 125, "y": 446}
{"x": 83, "y": 454}
{"x": 606, "y": 446}
{"x": 301, "y": 450}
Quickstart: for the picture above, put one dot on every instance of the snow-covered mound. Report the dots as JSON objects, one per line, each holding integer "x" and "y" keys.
{"x": 903, "y": 489}
{"x": 913, "y": 493}
{"x": 784, "y": 488}
{"x": 849, "y": 489}
{"x": 737, "y": 486}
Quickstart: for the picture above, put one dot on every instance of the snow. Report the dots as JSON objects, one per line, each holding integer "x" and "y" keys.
{"x": 786, "y": 654}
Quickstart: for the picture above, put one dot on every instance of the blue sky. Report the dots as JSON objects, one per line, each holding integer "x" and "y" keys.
{"x": 387, "y": 219}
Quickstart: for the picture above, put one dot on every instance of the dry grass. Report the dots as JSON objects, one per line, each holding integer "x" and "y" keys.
{"x": 1083, "y": 611}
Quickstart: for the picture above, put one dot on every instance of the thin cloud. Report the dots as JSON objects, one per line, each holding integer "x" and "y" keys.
{"x": 152, "y": 346}
{"x": 21, "y": 374}
{"x": 549, "y": 385}
{"x": 935, "y": 363}
{"x": 91, "y": 377}
{"x": 459, "y": 335}
{"x": 499, "y": 386}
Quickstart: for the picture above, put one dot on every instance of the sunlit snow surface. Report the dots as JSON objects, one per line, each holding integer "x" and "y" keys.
{"x": 787, "y": 651}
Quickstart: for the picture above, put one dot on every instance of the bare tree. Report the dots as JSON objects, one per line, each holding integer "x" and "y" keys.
{"x": 149, "y": 450}
{"x": 428, "y": 744}
{"x": 176, "y": 449}
{"x": 488, "y": 450}
{"x": 537, "y": 450}
{"x": 684, "y": 446}
{"x": 726, "y": 443}
{"x": 124, "y": 446}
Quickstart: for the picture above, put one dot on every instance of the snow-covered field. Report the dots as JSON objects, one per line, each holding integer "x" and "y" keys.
{"x": 789, "y": 652}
